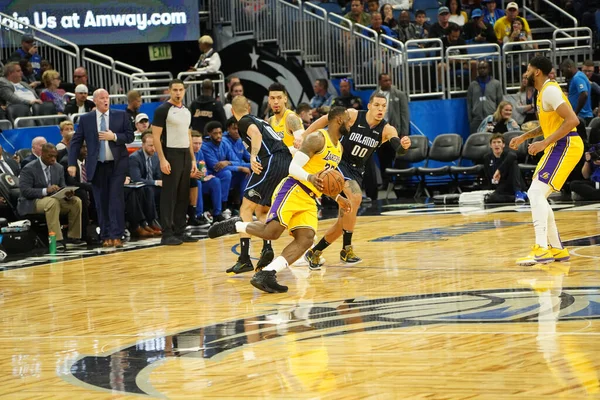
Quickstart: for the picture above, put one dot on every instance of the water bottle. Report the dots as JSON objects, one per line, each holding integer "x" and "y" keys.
{"x": 52, "y": 242}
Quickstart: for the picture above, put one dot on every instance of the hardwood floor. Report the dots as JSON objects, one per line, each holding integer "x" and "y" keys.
{"x": 437, "y": 309}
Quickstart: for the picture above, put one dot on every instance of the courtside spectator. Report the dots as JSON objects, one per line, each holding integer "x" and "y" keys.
{"x": 134, "y": 102}
{"x": 206, "y": 108}
{"x": 483, "y": 96}
{"x": 588, "y": 69}
{"x": 589, "y": 189}
{"x": 502, "y": 173}
{"x": 501, "y": 121}
{"x": 80, "y": 104}
{"x": 304, "y": 112}
{"x": 322, "y": 96}
{"x": 202, "y": 184}
{"x": 66, "y": 132}
{"x": 142, "y": 123}
{"x": 346, "y": 99}
{"x": 232, "y": 137}
{"x": 579, "y": 90}
{"x": 36, "y": 150}
{"x": 237, "y": 89}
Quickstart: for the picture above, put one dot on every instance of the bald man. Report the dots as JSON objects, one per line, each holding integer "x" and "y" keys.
{"x": 36, "y": 150}
{"x": 106, "y": 133}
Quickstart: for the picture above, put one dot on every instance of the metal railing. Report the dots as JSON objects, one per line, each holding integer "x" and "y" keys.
{"x": 290, "y": 34}
{"x": 193, "y": 83}
{"x": 221, "y": 13}
{"x": 99, "y": 68}
{"x": 392, "y": 56}
{"x": 423, "y": 61}
{"x": 242, "y": 15}
{"x": 315, "y": 36}
{"x": 516, "y": 56}
{"x": 341, "y": 48}
{"x": 151, "y": 85}
{"x": 22, "y": 122}
{"x": 577, "y": 45}
{"x": 461, "y": 65}
{"x": 63, "y": 54}
{"x": 264, "y": 21}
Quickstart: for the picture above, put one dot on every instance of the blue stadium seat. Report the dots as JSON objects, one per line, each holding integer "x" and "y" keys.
{"x": 425, "y": 4}
{"x": 330, "y": 7}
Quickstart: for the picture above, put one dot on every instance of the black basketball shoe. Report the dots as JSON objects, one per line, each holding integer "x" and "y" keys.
{"x": 223, "y": 228}
{"x": 241, "y": 266}
{"x": 267, "y": 282}
{"x": 266, "y": 256}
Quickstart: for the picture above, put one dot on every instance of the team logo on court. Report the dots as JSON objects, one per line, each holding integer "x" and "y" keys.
{"x": 117, "y": 370}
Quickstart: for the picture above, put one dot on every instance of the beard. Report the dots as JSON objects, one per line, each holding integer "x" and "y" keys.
{"x": 343, "y": 130}
{"x": 530, "y": 81}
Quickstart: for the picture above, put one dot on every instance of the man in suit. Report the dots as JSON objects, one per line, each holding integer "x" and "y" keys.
{"x": 8, "y": 165}
{"x": 144, "y": 166}
{"x": 12, "y": 90}
{"x": 37, "y": 182}
{"x": 106, "y": 133}
{"x": 36, "y": 150}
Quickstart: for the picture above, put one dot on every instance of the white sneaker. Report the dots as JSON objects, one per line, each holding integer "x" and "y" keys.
{"x": 208, "y": 217}
{"x": 226, "y": 213}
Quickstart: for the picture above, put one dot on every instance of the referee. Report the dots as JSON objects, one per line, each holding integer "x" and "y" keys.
{"x": 173, "y": 142}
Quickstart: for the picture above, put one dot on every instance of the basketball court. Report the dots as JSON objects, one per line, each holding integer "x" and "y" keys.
{"x": 437, "y": 309}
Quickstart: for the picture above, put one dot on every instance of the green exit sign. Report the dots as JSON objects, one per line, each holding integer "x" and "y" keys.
{"x": 160, "y": 52}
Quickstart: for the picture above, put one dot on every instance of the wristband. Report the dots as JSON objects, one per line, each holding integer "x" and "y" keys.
{"x": 336, "y": 197}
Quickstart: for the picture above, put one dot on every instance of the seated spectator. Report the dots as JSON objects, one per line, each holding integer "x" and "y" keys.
{"x": 84, "y": 191}
{"x": 490, "y": 13}
{"x": 52, "y": 94}
{"x": 442, "y": 27}
{"x": 406, "y": 29}
{"x": 12, "y": 90}
{"x": 28, "y": 75}
{"x": 588, "y": 69}
{"x": 372, "y": 6}
{"x": 421, "y": 25}
{"x": 232, "y": 80}
{"x": 304, "y": 112}
{"x": 134, "y": 102}
{"x": 588, "y": 189}
{"x": 234, "y": 140}
{"x": 140, "y": 211}
{"x": 518, "y": 34}
{"x": 206, "y": 108}
{"x": 222, "y": 162}
{"x": 500, "y": 121}
{"x": 346, "y": 99}
{"x": 38, "y": 181}
{"x": 237, "y": 89}
{"x": 379, "y": 28}
{"x": 579, "y": 90}
{"x": 457, "y": 15}
{"x": 29, "y": 52}
{"x": 461, "y": 64}
{"x": 36, "y": 150}
{"x": 357, "y": 14}
{"x": 525, "y": 109}
{"x": 67, "y": 130}
{"x": 80, "y": 104}
{"x": 400, "y": 4}
{"x": 477, "y": 30}
{"x": 502, "y": 173}
{"x": 387, "y": 13}
{"x": 8, "y": 165}
{"x": 504, "y": 26}
{"x": 322, "y": 96}
{"x": 209, "y": 61}
{"x": 80, "y": 77}
{"x": 204, "y": 184}
{"x": 142, "y": 123}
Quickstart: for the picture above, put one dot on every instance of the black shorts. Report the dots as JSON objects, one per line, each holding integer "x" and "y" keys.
{"x": 260, "y": 188}
{"x": 351, "y": 172}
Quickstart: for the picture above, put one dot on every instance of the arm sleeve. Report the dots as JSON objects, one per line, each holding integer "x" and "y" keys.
{"x": 552, "y": 98}
{"x": 160, "y": 117}
{"x": 297, "y": 166}
{"x": 405, "y": 112}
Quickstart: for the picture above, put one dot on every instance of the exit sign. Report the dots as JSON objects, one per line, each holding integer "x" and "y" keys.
{"x": 160, "y": 52}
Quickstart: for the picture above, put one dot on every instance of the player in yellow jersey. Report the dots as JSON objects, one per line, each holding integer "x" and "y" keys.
{"x": 294, "y": 203}
{"x": 284, "y": 121}
{"x": 562, "y": 147}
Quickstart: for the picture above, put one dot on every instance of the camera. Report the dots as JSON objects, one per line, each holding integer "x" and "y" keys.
{"x": 594, "y": 153}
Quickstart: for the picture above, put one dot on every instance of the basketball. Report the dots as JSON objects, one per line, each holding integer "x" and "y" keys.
{"x": 333, "y": 182}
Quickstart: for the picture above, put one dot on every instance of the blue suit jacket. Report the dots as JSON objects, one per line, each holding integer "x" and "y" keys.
{"x": 88, "y": 130}
{"x": 32, "y": 181}
{"x": 138, "y": 170}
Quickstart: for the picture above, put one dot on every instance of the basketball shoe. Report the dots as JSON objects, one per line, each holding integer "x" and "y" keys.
{"x": 347, "y": 255}
{"x": 241, "y": 266}
{"x": 267, "y": 282}
{"x": 538, "y": 255}
{"x": 313, "y": 258}
{"x": 559, "y": 254}
{"x": 266, "y": 256}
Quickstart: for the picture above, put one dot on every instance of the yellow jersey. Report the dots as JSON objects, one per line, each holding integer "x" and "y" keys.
{"x": 329, "y": 157}
{"x": 550, "y": 121}
{"x": 503, "y": 26}
{"x": 281, "y": 128}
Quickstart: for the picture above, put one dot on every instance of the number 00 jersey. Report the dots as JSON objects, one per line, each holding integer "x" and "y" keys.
{"x": 271, "y": 141}
{"x": 362, "y": 140}
{"x": 329, "y": 157}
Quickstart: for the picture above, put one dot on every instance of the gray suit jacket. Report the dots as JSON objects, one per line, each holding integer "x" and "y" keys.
{"x": 7, "y": 93}
{"x": 31, "y": 183}
{"x": 398, "y": 114}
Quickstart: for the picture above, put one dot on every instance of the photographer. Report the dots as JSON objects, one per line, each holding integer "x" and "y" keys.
{"x": 28, "y": 52}
{"x": 590, "y": 188}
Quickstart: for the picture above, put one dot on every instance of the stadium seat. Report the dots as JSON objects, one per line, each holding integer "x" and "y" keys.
{"x": 23, "y": 153}
{"x": 530, "y": 163}
{"x": 46, "y": 108}
{"x": 425, "y": 4}
{"x": 445, "y": 148}
{"x": 416, "y": 153}
{"x": 15, "y": 111}
{"x": 594, "y": 136}
{"x": 474, "y": 149}
{"x": 5, "y": 125}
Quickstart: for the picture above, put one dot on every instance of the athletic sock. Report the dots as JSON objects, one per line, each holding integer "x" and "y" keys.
{"x": 322, "y": 245}
{"x": 267, "y": 245}
{"x": 277, "y": 265}
{"x": 245, "y": 248}
{"x": 347, "y": 239}
{"x": 553, "y": 236}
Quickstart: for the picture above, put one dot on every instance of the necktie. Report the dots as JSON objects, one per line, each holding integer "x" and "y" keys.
{"x": 48, "y": 176}
{"x": 83, "y": 173}
{"x": 102, "y": 154}
{"x": 149, "y": 169}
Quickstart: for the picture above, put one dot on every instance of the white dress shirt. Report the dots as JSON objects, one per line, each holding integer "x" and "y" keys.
{"x": 109, "y": 154}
